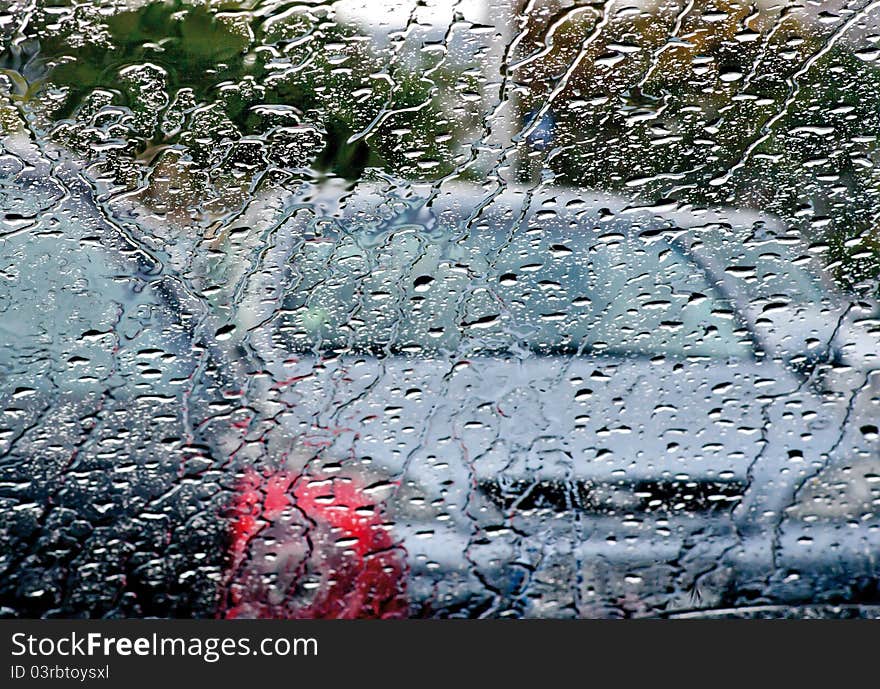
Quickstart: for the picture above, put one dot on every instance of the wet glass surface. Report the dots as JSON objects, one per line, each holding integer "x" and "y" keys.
{"x": 439, "y": 309}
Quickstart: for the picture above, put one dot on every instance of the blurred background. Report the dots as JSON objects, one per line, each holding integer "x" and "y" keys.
{"x": 192, "y": 106}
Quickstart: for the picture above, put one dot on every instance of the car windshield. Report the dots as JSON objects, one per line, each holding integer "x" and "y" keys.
{"x": 508, "y": 308}
{"x": 545, "y": 293}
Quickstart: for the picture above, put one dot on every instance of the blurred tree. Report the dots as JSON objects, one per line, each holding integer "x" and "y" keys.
{"x": 223, "y": 92}
{"x": 712, "y": 102}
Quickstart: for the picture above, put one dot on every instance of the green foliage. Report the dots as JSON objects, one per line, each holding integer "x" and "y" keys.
{"x": 192, "y": 76}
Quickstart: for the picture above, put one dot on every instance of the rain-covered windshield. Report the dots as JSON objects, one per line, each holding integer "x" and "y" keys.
{"x": 442, "y": 308}
{"x": 547, "y": 293}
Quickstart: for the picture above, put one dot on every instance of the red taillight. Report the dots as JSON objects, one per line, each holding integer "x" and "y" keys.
{"x": 311, "y": 548}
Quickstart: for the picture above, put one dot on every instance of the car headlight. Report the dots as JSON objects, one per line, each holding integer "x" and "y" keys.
{"x": 846, "y": 491}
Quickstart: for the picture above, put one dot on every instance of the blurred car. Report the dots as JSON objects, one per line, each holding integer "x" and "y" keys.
{"x": 568, "y": 404}
{"x": 390, "y": 401}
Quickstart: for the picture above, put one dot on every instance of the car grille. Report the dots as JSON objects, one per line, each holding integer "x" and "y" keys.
{"x": 653, "y": 496}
